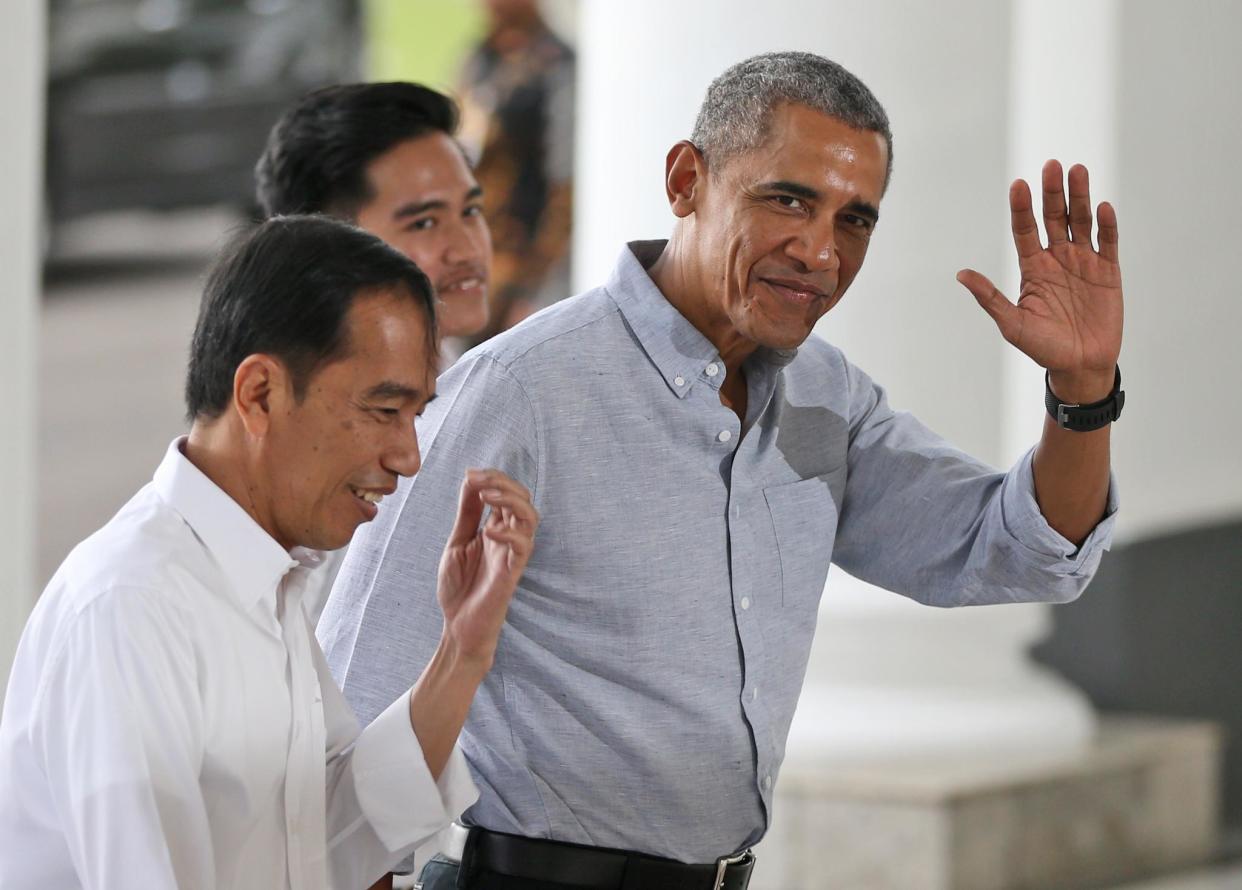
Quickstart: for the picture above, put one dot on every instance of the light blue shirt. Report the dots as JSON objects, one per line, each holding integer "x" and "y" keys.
{"x": 653, "y": 655}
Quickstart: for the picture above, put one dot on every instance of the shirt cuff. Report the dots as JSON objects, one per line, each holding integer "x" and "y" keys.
{"x": 1028, "y": 527}
{"x": 398, "y": 796}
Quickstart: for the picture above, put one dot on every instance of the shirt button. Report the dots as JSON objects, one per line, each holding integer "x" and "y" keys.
{"x": 712, "y": 370}
{"x": 680, "y": 381}
{"x": 725, "y": 436}
{"x": 754, "y": 693}
{"x": 767, "y": 782}
{"x": 745, "y": 603}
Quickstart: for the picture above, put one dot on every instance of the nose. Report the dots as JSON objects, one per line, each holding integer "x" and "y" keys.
{"x": 462, "y": 244}
{"x": 402, "y": 456}
{"x": 815, "y": 249}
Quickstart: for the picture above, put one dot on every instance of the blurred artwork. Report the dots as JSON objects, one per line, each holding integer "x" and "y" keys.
{"x": 517, "y": 97}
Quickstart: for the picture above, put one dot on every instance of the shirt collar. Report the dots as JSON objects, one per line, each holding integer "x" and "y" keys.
{"x": 250, "y": 558}
{"x": 676, "y": 347}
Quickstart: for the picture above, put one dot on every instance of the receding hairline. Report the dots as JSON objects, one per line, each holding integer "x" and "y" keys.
{"x": 767, "y": 136}
{"x": 397, "y": 292}
{"x": 736, "y": 113}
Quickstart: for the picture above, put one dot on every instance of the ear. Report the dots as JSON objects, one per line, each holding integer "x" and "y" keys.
{"x": 261, "y": 389}
{"x": 685, "y": 173}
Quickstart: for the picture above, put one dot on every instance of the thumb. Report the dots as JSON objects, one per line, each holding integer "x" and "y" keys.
{"x": 1007, "y": 316}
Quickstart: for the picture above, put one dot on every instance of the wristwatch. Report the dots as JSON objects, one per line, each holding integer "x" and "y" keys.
{"x": 1084, "y": 418}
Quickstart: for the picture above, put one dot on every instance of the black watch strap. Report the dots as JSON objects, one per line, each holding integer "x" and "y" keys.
{"x": 1084, "y": 418}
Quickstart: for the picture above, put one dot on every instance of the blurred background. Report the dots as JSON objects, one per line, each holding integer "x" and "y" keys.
{"x": 135, "y": 125}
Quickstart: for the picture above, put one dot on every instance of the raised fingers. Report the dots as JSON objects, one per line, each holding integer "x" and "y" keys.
{"x": 1055, "y": 216}
{"x": 1022, "y": 220}
{"x": 510, "y": 508}
{"x": 1107, "y": 216}
{"x": 1080, "y": 205}
{"x": 469, "y": 512}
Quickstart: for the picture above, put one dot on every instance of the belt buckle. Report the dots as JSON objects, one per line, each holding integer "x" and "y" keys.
{"x": 723, "y": 863}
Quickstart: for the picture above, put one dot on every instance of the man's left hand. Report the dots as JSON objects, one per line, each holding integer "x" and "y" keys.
{"x": 481, "y": 566}
{"x": 1068, "y": 317}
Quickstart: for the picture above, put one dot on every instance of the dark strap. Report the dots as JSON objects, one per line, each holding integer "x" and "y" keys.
{"x": 596, "y": 868}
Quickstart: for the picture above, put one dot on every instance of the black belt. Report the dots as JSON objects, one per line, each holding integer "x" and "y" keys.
{"x": 595, "y": 867}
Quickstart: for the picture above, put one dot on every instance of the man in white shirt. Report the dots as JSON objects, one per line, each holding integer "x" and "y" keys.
{"x": 170, "y": 721}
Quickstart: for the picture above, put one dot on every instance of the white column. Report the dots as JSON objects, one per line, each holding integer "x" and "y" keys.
{"x": 21, "y": 157}
{"x": 1064, "y": 105}
{"x": 1178, "y": 447}
{"x": 887, "y": 677}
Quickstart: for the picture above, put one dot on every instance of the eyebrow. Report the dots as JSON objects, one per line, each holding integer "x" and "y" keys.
{"x": 391, "y": 390}
{"x": 864, "y": 208}
{"x": 417, "y": 208}
{"x": 798, "y": 190}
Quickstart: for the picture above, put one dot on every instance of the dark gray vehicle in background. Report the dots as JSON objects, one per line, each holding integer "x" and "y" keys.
{"x": 166, "y": 104}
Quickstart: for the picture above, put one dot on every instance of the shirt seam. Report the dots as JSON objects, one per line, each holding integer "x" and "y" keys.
{"x": 530, "y": 406}
{"x": 496, "y": 355}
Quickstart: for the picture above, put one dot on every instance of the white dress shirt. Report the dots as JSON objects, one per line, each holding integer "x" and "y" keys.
{"x": 170, "y": 721}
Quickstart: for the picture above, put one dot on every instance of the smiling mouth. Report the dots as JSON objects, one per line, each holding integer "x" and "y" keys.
{"x": 461, "y": 285}
{"x": 794, "y": 292}
{"x": 364, "y": 494}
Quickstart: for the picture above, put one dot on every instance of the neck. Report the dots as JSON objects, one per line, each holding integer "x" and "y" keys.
{"x": 680, "y": 276}
{"x": 214, "y": 448}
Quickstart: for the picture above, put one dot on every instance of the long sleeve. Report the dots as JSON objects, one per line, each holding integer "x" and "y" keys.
{"x": 926, "y": 520}
{"x": 117, "y": 731}
{"x": 382, "y": 801}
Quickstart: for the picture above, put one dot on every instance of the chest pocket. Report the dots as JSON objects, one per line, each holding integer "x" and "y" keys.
{"x": 804, "y": 519}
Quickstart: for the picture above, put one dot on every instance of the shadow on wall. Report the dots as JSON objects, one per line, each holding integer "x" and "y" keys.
{"x": 1157, "y": 633}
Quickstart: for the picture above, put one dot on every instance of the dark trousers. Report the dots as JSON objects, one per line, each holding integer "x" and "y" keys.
{"x": 441, "y": 874}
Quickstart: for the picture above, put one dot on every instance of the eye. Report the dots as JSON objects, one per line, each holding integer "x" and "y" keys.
{"x": 789, "y": 201}
{"x": 473, "y": 210}
{"x": 421, "y": 225}
{"x": 386, "y": 414}
{"x": 855, "y": 221}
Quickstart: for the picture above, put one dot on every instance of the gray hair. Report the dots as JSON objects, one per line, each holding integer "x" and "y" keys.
{"x": 737, "y": 111}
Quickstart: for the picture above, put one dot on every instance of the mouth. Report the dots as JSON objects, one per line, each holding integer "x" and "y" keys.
{"x": 368, "y": 500}
{"x": 467, "y": 285}
{"x": 792, "y": 291}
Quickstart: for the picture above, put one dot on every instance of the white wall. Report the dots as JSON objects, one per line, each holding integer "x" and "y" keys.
{"x": 21, "y": 150}
{"x": 1179, "y": 445}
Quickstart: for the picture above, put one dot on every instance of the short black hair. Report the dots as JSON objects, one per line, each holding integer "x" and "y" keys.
{"x": 284, "y": 288}
{"x": 317, "y": 154}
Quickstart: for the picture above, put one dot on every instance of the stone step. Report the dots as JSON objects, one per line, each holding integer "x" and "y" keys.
{"x": 1142, "y": 799}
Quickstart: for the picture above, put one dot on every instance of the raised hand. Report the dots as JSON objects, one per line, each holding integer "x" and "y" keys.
{"x": 1068, "y": 317}
{"x": 480, "y": 567}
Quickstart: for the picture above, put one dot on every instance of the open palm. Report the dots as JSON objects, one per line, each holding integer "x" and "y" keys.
{"x": 1068, "y": 317}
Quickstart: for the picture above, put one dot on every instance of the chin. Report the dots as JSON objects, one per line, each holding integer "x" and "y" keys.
{"x": 464, "y": 321}
{"x": 783, "y": 337}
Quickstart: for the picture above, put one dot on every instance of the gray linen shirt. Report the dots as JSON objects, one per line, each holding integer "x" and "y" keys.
{"x": 653, "y": 655}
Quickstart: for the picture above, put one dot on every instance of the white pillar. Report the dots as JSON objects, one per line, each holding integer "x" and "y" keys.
{"x": 1178, "y": 447}
{"x": 887, "y": 677}
{"x": 22, "y": 76}
{"x": 1064, "y": 105}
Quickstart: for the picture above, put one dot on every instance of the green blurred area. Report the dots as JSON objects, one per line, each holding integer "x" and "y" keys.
{"x": 421, "y": 40}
